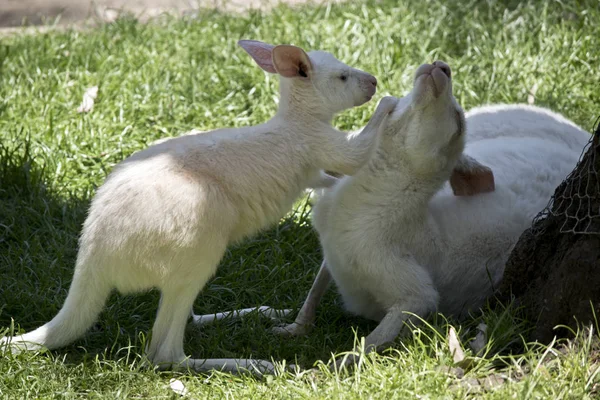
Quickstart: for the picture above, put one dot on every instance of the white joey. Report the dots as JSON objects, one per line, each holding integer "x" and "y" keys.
{"x": 165, "y": 215}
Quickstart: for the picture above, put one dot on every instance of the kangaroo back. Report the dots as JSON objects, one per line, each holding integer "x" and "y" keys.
{"x": 523, "y": 121}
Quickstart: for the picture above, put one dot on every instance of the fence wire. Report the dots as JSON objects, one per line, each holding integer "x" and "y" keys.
{"x": 575, "y": 204}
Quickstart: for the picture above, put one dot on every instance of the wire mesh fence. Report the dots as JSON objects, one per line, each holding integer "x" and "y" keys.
{"x": 575, "y": 204}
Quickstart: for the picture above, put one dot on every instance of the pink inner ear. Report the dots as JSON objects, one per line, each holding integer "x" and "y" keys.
{"x": 290, "y": 60}
{"x": 472, "y": 182}
{"x": 261, "y": 52}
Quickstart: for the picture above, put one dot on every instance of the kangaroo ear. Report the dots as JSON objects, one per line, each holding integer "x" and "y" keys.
{"x": 469, "y": 178}
{"x": 261, "y": 52}
{"x": 291, "y": 61}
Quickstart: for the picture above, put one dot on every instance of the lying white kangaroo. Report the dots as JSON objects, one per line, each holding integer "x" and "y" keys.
{"x": 394, "y": 237}
{"x": 165, "y": 215}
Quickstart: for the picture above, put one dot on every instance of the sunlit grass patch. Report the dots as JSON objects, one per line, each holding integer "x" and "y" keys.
{"x": 164, "y": 78}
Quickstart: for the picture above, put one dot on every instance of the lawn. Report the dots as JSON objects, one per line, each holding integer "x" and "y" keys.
{"x": 164, "y": 78}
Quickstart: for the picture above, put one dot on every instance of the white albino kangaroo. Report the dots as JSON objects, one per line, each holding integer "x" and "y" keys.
{"x": 394, "y": 237}
{"x": 165, "y": 215}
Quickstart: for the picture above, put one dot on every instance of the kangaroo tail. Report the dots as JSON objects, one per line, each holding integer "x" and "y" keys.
{"x": 87, "y": 295}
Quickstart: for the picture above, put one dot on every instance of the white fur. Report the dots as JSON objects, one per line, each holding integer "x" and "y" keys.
{"x": 165, "y": 215}
{"x": 394, "y": 236}
{"x": 523, "y": 121}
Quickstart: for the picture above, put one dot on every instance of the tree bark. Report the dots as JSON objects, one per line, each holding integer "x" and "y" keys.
{"x": 554, "y": 269}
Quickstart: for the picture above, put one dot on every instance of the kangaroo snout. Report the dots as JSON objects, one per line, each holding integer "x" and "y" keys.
{"x": 443, "y": 66}
{"x": 373, "y": 80}
{"x": 370, "y": 85}
{"x": 437, "y": 75}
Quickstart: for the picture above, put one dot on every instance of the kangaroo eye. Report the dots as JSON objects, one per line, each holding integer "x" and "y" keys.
{"x": 344, "y": 77}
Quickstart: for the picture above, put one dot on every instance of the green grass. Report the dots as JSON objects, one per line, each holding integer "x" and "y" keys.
{"x": 167, "y": 77}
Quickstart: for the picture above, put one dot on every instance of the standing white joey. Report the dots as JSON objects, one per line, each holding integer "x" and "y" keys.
{"x": 384, "y": 108}
{"x": 165, "y": 215}
{"x": 396, "y": 238}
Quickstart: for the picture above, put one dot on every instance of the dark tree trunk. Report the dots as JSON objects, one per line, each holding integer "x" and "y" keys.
{"x": 554, "y": 270}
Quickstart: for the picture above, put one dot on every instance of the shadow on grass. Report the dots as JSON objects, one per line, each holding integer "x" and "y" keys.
{"x": 38, "y": 245}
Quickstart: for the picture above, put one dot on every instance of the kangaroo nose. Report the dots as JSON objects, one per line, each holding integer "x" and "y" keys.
{"x": 443, "y": 66}
{"x": 373, "y": 81}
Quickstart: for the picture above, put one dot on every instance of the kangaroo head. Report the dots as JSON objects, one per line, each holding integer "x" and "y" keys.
{"x": 315, "y": 80}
